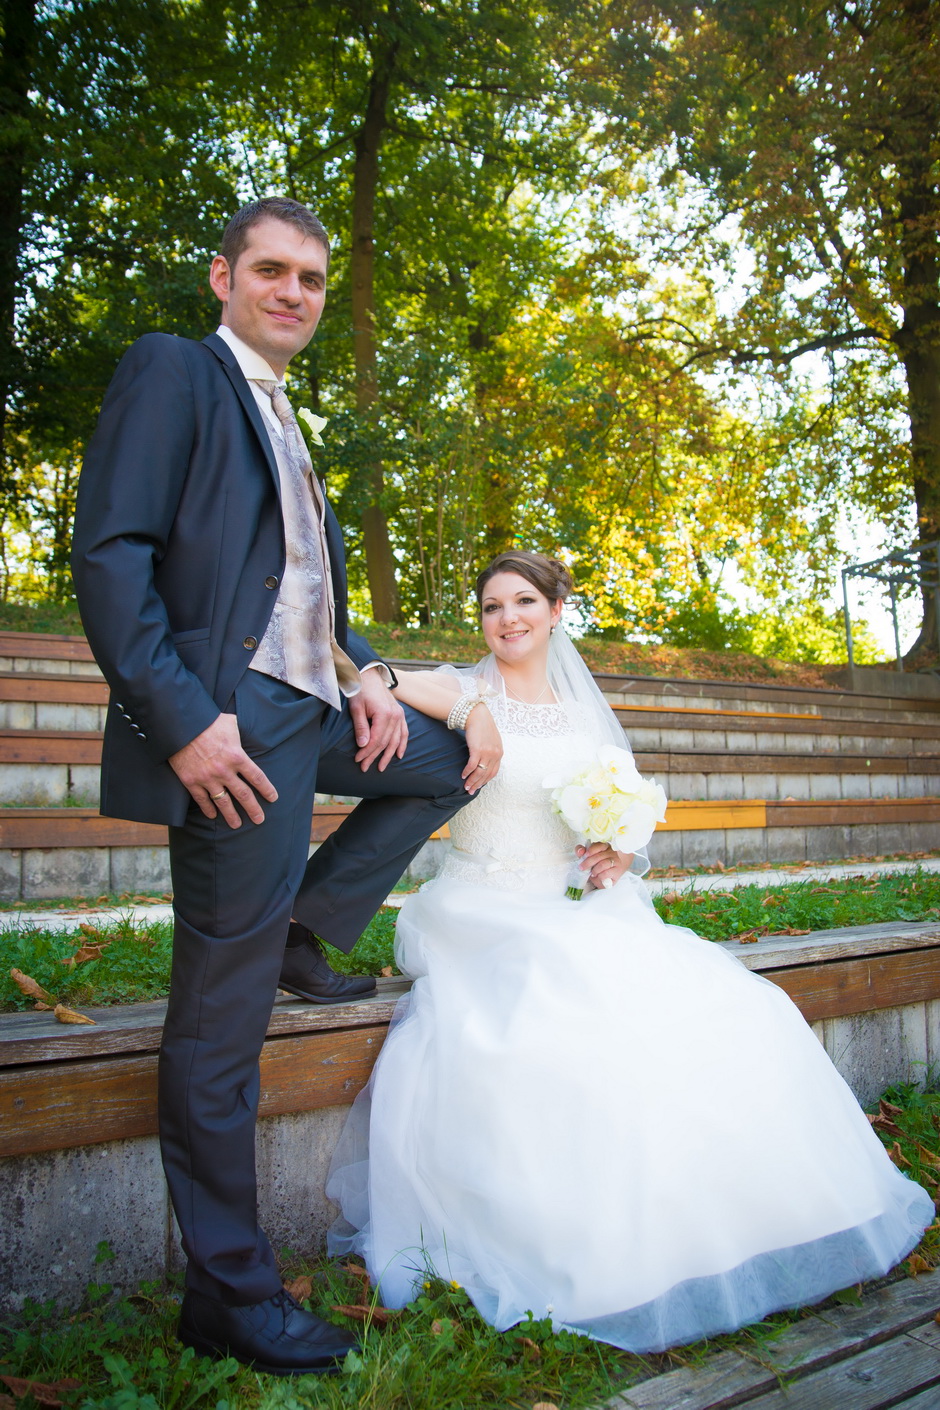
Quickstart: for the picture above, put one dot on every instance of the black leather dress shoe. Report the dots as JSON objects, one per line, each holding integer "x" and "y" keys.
{"x": 306, "y": 973}
{"x": 276, "y": 1336}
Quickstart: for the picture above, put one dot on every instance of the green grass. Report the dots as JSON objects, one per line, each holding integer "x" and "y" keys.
{"x": 810, "y": 904}
{"x": 59, "y": 618}
{"x": 464, "y": 643}
{"x": 436, "y": 1354}
{"x": 135, "y": 963}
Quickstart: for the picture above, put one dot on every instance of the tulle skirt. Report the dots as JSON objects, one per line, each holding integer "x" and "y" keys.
{"x": 583, "y": 1113}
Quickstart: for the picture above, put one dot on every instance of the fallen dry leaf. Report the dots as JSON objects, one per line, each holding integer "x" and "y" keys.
{"x": 883, "y": 1122}
{"x": 749, "y": 937}
{"x": 381, "y": 1316}
{"x": 897, "y": 1155}
{"x": 87, "y": 952}
{"x": 48, "y": 1393}
{"x": 916, "y": 1264}
{"x": 43, "y": 1008}
{"x": 365, "y": 1288}
{"x": 27, "y": 985}
{"x": 437, "y": 1327}
{"x": 356, "y": 1269}
{"x": 530, "y": 1348}
{"x": 790, "y": 931}
{"x": 94, "y": 932}
{"x": 300, "y": 1288}
{"x": 67, "y": 1015}
{"x": 544, "y": 1405}
{"x": 7, "y": 1402}
{"x": 387, "y": 972}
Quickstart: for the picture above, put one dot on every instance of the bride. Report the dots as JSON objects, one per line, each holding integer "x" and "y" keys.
{"x": 580, "y": 1111}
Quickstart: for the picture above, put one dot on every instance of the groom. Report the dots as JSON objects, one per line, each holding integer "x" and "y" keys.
{"x": 210, "y": 574}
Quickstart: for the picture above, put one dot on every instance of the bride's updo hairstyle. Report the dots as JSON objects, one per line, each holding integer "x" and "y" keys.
{"x": 547, "y": 575}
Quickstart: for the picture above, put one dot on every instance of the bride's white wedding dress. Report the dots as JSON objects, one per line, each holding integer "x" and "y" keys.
{"x": 586, "y": 1114}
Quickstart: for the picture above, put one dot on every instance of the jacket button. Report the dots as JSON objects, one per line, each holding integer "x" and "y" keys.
{"x": 250, "y": 643}
{"x": 270, "y": 581}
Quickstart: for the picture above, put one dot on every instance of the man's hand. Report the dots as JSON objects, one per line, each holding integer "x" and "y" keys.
{"x": 219, "y": 774}
{"x": 485, "y": 746}
{"x": 379, "y": 722}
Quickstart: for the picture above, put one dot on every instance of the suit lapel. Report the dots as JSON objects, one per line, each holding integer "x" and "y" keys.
{"x": 334, "y": 534}
{"x": 246, "y": 396}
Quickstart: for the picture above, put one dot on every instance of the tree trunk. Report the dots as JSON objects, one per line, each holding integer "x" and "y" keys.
{"x": 18, "y": 18}
{"x": 919, "y": 342}
{"x": 380, "y": 561}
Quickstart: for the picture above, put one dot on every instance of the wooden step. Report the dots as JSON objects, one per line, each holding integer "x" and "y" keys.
{"x": 85, "y": 827}
{"x": 884, "y": 1352}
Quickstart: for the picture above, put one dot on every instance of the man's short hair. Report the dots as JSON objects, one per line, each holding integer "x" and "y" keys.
{"x": 236, "y": 233}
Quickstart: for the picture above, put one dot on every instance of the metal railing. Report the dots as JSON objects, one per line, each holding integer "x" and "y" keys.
{"x": 917, "y": 567}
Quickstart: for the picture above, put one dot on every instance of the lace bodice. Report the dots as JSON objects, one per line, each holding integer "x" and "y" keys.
{"x": 508, "y": 837}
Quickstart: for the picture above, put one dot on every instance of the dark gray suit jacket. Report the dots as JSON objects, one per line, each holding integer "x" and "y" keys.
{"x": 177, "y": 552}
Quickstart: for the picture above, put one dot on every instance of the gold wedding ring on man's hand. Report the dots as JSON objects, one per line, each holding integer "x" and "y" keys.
{"x": 215, "y": 796}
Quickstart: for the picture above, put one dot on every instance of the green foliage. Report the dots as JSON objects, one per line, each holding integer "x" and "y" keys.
{"x": 807, "y": 905}
{"x": 135, "y": 961}
{"x": 594, "y": 251}
{"x": 134, "y": 964}
{"x": 801, "y": 631}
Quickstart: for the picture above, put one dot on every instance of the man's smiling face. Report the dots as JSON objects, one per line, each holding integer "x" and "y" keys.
{"x": 274, "y": 296}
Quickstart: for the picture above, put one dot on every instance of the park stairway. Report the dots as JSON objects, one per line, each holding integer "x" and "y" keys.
{"x": 777, "y": 773}
{"x": 755, "y": 773}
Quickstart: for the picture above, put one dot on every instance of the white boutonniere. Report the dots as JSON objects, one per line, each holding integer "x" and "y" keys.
{"x": 310, "y": 427}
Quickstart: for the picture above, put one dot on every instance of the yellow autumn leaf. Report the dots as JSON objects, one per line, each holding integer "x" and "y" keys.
{"x": 27, "y": 985}
{"x": 67, "y": 1015}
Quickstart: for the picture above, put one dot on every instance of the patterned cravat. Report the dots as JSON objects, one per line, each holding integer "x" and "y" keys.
{"x": 298, "y": 645}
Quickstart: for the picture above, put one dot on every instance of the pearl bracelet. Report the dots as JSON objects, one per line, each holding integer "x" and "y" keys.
{"x": 460, "y": 712}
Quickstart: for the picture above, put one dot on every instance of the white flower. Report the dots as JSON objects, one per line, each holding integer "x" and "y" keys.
{"x": 608, "y": 800}
{"x": 311, "y": 426}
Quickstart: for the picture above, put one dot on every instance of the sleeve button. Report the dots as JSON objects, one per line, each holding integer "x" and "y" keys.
{"x": 250, "y": 643}
{"x": 270, "y": 581}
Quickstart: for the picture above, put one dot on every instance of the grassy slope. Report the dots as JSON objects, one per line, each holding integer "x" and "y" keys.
{"x": 464, "y": 645}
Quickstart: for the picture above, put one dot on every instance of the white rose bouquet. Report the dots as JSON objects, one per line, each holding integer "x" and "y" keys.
{"x": 608, "y": 800}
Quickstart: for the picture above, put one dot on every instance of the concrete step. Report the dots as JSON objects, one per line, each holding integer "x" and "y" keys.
{"x": 40, "y": 654}
{"x": 51, "y": 852}
{"x": 50, "y": 767}
{"x": 36, "y": 653}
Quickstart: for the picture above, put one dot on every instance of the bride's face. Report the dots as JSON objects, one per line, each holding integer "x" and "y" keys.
{"x": 517, "y": 619}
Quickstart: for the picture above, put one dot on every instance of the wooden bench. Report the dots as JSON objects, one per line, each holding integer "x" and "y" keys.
{"x": 79, "y": 1160}
{"x": 65, "y": 1086}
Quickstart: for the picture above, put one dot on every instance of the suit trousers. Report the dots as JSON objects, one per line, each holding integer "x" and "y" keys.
{"x": 235, "y": 891}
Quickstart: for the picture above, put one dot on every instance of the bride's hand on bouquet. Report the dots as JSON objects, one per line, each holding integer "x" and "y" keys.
{"x": 604, "y": 866}
{"x": 485, "y": 747}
